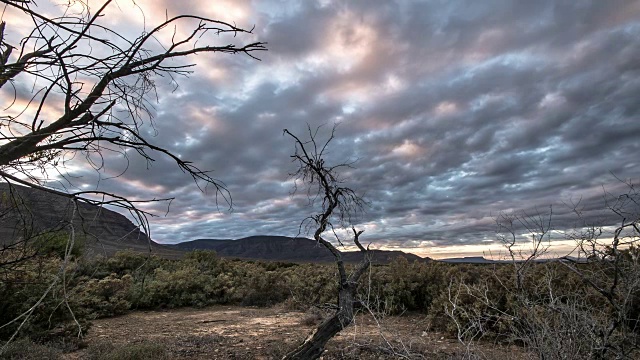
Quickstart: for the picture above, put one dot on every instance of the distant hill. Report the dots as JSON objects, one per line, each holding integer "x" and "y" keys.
{"x": 25, "y": 212}
{"x": 482, "y": 260}
{"x": 468, "y": 260}
{"x": 281, "y": 248}
{"x": 106, "y": 232}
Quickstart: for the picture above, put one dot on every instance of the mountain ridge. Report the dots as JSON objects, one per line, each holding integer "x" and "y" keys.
{"x": 283, "y": 248}
{"x": 107, "y": 232}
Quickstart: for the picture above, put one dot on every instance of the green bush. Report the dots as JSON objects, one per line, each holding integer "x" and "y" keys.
{"x": 265, "y": 289}
{"x": 309, "y": 284}
{"x": 56, "y": 244}
{"x": 200, "y": 279}
{"x": 403, "y": 286}
{"x": 205, "y": 260}
{"x": 105, "y": 297}
{"x": 185, "y": 286}
{"x": 129, "y": 262}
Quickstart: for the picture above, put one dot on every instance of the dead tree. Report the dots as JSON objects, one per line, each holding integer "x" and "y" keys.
{"x": 92, "y": 90}
{"x": 338, "y": 204}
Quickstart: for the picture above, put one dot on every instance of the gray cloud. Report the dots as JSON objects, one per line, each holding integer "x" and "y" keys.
{"x": 455, "y": 110}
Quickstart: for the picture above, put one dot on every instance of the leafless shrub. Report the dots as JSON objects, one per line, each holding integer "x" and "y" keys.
{"x": 576, "y": 307}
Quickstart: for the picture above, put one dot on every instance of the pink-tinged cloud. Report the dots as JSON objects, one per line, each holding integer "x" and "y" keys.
{"x": 455, "y": 111}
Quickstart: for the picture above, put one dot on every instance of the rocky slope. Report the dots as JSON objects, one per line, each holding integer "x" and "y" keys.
{"x": 26, "y": 213}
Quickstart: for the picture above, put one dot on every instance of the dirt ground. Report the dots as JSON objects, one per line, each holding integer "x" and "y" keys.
{"x": 224, "y": 332}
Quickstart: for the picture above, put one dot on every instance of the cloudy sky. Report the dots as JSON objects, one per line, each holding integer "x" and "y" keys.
{"x": 455, "y": 111}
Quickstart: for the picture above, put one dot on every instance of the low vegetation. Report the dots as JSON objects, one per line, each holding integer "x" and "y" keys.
{"x": 474, "y": 298}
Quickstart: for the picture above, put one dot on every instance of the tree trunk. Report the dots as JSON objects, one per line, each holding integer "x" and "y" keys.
{"x": 314, "y": 345}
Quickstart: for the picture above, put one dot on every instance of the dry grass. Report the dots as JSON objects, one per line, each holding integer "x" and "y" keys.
{"x": 224, "y": 332}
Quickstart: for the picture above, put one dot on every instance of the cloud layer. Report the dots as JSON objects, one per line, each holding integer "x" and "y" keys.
{"x": 455, "y": 111}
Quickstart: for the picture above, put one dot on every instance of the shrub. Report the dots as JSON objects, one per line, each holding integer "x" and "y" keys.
{"x": 25, "y": 349}
{"x": 139, "y": 351}
{"x": 24, "y": 287}
{"x": 129, "y": 262}
{"x": 265, "y": 289}
{"x": 56, "y": 244}
{"x": 105, "y": 297}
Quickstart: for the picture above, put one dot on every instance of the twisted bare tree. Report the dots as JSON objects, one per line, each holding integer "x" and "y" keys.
{"x": 338, "y": 206}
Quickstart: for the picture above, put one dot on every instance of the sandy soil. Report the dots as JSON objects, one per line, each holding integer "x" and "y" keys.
{"x": 224, "y": 332}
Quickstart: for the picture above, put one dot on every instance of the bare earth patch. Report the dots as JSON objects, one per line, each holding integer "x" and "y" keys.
{"x": 229, "y": 332}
